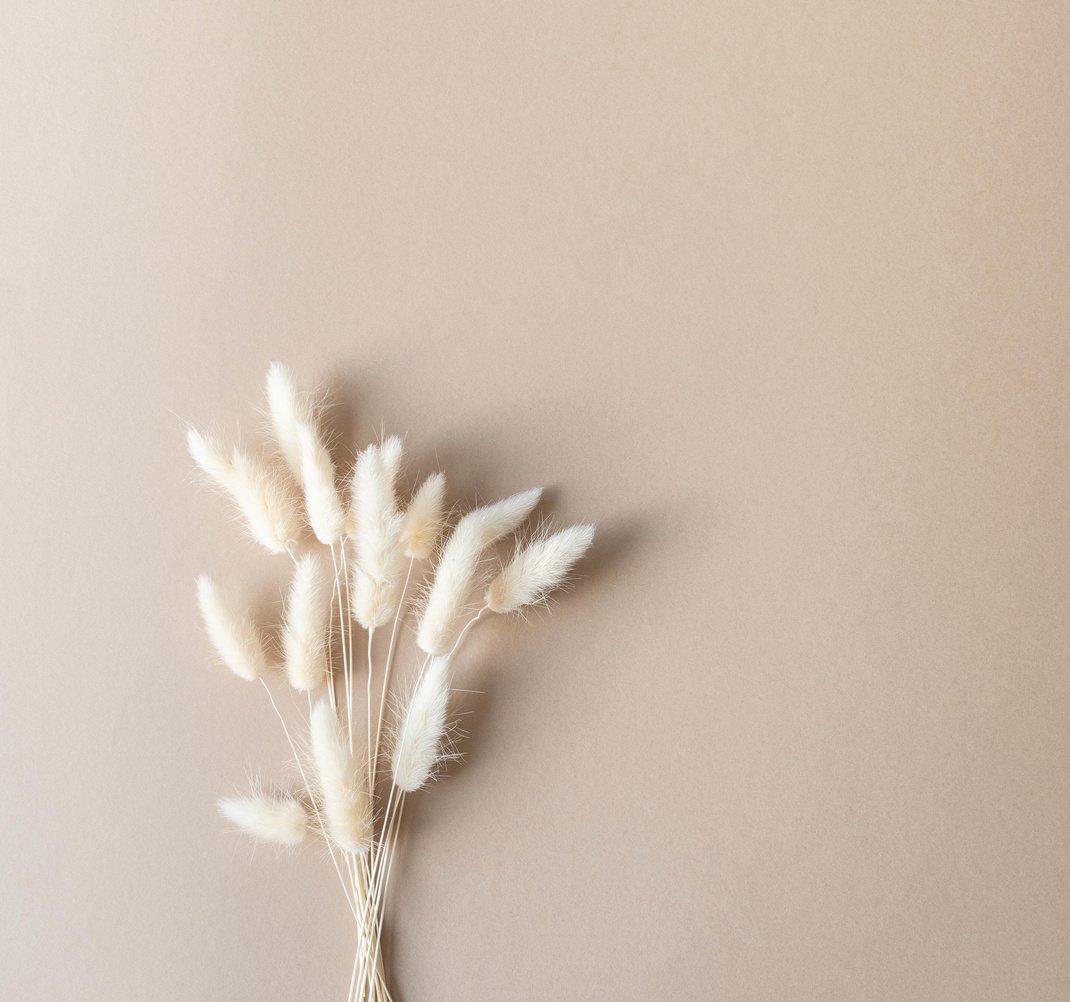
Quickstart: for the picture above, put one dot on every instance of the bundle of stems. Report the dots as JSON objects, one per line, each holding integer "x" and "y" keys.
{"x": 360, "y": 559}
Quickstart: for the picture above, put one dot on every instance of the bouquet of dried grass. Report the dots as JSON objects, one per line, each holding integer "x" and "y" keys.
{"x": 374, "y": 552}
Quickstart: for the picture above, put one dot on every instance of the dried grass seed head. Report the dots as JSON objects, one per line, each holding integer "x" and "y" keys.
{"x": 458, "y": 567}
{"x": 537, "y": 568}
{"x": 281, "y": 820}
{"x": 342, "y": 783}
{"x": 235, "y": 638}
{"x": 305, "y": 635}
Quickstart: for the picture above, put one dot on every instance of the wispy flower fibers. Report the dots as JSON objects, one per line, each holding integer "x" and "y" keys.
{"x": 278, "y": 819}
{"x": 424, "y": 517}
{"x": 293, "y": 420}
{"x": 325, "y": 512}
{"x": 289, "y": 410}
{"x": 380, "y": 557}
{"x": 418, "y": 743}
{"x": 342, "y": 783}
{"x": 235, "y": 638}
{"x": 266, "y": 504}
{"x": 459, "y": 564}
{"x": 305, "y": 639}
{"x": 537, "y": 568}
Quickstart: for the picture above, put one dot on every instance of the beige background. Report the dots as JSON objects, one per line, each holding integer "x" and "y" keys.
{"x": 774, "y": 292}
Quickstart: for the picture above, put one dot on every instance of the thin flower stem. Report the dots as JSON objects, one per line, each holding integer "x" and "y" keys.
{"x": 389, "y": 666}
{"x": 363, "y": 968}
{"x": 401, "y": 738}
{"x": 363, "y": 945}
{"x": 397, "y": 615}
{"x": 382, "y": 876}
{"x": 312, "y": 799}
{"x": 347, "y": 659}
{"x": 349, "y": 627}
{"x": 362, "y": 953}
{"x": 378, "y": 857}
{"x": 467, "y": 627}
{"x": 364, "y": 929}
{"x": 353, "y": 976}
{"x": 367, "y": 917}
{"x": 379, "y": 891}
{"x": 332, "y": 696}
{"x": 359, "y": 879}
{"x": 382, "y": 859}
{"x": 330, "y": 847}
{"x": 359, "y": 874}
{"x": 371, "y": 764}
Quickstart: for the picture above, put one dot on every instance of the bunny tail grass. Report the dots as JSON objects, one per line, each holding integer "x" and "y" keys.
{"x": 456, "y": 571}
{"x": 342, "y": 783}
{"x": 538, "y": 568}
{"x": 282, "y": 820}
{"x": 254, "y": 487}
{"x": 325, "y": 512}
{"x": 208, "y": 453}
{"x": 235, "y": 638}
{"x": 289, "y": 409}
{"x": 378, "y": 538}
{"x": 418, "y": 748}
{"x": 393, "y": 452}
{"x": 423, "y": 520}
{"x": 305, "y": 635}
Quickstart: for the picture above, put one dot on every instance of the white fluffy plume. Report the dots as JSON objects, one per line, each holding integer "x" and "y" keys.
{"x": 418, "y": 746}
{"x": 538, "y": 568}
{"x": 423, "y": 519}
{"x": 278, "y": 819}
{"x": 458, "y": 567}
{"x": 289, "y": 410}
{"x": 256, "y": 489}
{"x": 294, "y": 422}
{"x": 342, "y": 783}
{"x": 378, "y": 534}
{"x": 235, "y": 638}
{"x": 325, "y": 512}
{"x": 393, "y": 452}
{"x": 208, "y": 453}
{"x": 305, "y": 634}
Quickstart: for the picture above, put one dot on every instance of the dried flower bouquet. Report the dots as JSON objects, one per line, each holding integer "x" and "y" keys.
{"x": 373, "y": 557}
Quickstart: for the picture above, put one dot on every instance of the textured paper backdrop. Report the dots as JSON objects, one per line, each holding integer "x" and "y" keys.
{"x": 776, "y": 293}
